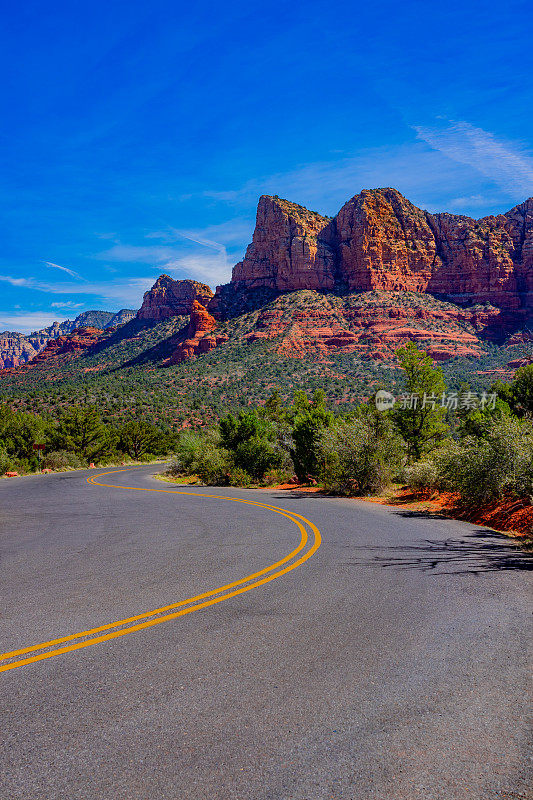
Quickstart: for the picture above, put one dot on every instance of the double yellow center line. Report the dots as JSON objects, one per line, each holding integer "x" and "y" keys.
{"x": 159, "y": 615}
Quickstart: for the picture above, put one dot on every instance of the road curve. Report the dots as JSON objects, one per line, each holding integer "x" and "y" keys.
{"x": 102, "y": 633}
{"x": 390, "y": 664}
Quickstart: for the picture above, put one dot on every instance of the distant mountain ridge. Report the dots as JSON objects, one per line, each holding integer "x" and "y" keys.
{"x": 87, "y": 319}
{"x": 17, "y": 348}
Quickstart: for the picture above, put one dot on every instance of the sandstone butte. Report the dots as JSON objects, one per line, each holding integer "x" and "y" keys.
{"x": 379, "y": 241}
{"x": 444, "y": 280}
{"x": 169, "y": 298}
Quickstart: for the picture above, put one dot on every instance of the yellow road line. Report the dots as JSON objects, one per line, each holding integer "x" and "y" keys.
{"x": 150, "y": 622}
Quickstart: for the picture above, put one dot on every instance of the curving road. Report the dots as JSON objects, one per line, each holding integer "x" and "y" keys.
{"x": 164, "y": 644}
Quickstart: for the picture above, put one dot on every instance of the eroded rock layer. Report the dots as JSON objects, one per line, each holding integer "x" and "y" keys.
{"x": 371, "y": 325}
{"x": 76, "y": 342}
{"x": 287, "y": 251}
{"x": 198, "y": 335}
{"x": 171, "y": 298}
{"x": 15, "y": 349}
{"x": 379, "y": 241}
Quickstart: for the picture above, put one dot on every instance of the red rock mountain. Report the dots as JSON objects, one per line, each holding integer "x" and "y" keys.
{"x": 76, "y": 342}
{"x": 288, "y": 251}
{"x": 198, "y": 338}
{"x": 15, "y": 349}
{"x": 170, "y": 298}
{"x": 380, "y": 273}
{"x": 379, "y": 241}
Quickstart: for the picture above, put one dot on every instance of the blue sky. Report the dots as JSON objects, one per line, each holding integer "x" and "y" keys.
{"x": 136, "y": 137}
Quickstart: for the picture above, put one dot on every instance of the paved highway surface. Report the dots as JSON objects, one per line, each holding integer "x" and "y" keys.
{"x": 390, "y": 663}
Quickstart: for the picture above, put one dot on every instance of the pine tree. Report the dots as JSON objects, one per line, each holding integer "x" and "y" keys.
{"x": 420, "y": 420}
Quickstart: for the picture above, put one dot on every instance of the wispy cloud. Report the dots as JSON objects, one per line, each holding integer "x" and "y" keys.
{"x": 203, "y": 267}
{"x": 176, "y": 258}
{"x": 508, "y": 164}
{"x": 421, "y": 173}
{"x": 212, "y": 269}
{"x": 439, "y": 170}
{"x": 229, "y": 233}
{"x": 70, "y": 272}
{"x": 470, "y": 201}
{"x": 27, "y": 282}
{"x": 198, "y": 239}
{"x": 151, "y": 255}
{"x": 66, "y": 304}
{"x": 123, "y": 293}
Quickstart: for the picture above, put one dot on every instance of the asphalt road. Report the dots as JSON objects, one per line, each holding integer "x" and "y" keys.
{"x": 389, "y": 664}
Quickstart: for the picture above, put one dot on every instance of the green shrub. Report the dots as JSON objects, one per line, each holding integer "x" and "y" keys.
{"x": 488, "y": 468}
{"x": 422, "y": 476}
{"x": 522, "y": 388}
{"x": 62, "y": 459}
{"x": 252, "y": 441}
{"x": 256, "y": 455}
{"x": 188, "y": 449}
{"x": 199, "y": 453}
{"x": 275, "y": 476}
{"x": 5, "y": 461}
{"x": 307, "y": 434}
{"x": 239, "y": 477}
{"x": 356, "y": 460}
{"x": 213, "y": 465}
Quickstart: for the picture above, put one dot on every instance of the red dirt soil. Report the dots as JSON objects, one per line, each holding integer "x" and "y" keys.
{"x": 508, "y": 516}
{"x": 514, "y": 517}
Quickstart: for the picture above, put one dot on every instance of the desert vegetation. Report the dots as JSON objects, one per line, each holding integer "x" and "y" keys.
{"x": 479, "y": 452}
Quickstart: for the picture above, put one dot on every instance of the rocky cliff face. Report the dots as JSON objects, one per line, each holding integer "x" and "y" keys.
{"x": 379, "y": 241}
{"x": 170, "y": 298}
{"x": 75, "y": 343}
{"x": 287, "y": 252}
{"x": 475, "y": 261}
{"x": 198, "y": 338}
{"x": 383, "y": 242}
{"x": 520, "y": 225}
{"x": 15, "y": 349}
